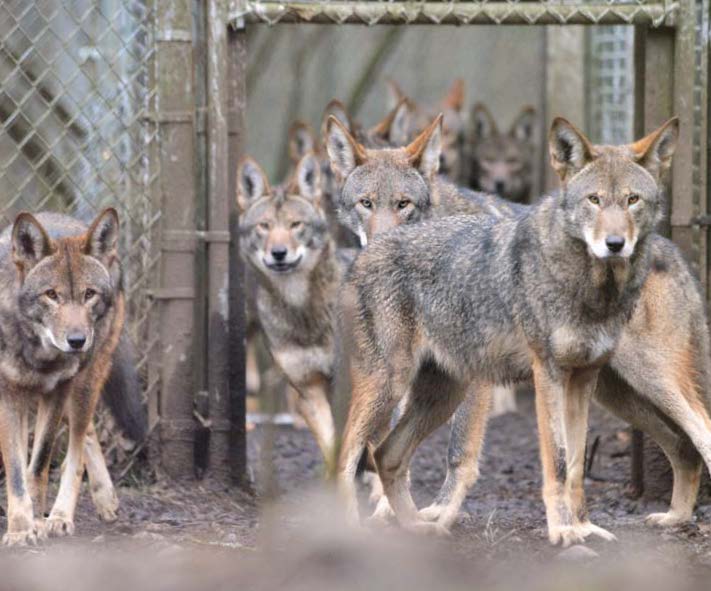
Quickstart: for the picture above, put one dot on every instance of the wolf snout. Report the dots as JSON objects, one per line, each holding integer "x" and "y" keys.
{"x": 279, "y": 253}
{"x": 76, "y": 341}
{"x": 615, "y": 243}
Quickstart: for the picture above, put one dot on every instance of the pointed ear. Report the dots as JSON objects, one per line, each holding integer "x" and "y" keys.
{"x": 308, "y": 178}
{"x": 455, "y": 97}
{"x": 654, "y": 152}
{"x": 338, "y": 110}
{"x": 302, "y": 139}
{"x": 523, "y": 125}
{"x": 395, "y": 127}
{"x": 30, "y": 242}
{"x": 252, "y": 183}
{"x": 483, "y": 124}
{"x": 344, "y": 152}
{"x": 424, "y": 152}
{"x": 102, "y": 237}
{"x": 395, "y": 94}
{"x": 569, "y": 149}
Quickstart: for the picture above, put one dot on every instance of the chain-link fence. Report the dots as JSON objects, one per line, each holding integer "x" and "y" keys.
{"x": 610, "y": 84}
{"x": 76, "y": 86}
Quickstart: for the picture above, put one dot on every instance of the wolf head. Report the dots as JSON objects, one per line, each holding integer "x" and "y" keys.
{"x": 66, "y": 286}
{"x": 282, "y": 229}
{"x": 383, "y": 188}
{"x": 611, "y": 195}
{"x": 501, "y": 163}
{"x": 452, "y": 132}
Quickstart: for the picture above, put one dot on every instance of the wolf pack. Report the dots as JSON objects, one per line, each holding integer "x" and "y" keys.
{"x": 406, "y": 271}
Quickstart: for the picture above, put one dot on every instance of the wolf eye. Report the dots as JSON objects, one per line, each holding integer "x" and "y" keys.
{"x": 51, "y": 294}
{"x": 263, "y": 226}
{"x": 296, "y": 225}
{"x": 594, "y": 199}
{"x": 367, "y": 203}
{"x": 88, "y": 294}
{"x": 403, "y": 203}
{"x": 632, "y": 199}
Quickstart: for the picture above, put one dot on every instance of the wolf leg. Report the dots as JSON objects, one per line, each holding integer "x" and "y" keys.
{"x": 21, "y": 526}
{"x": 465, "y": 442}
{"x": 503, "y": 400}
{"x": 619, "y": 398}
{"x": 562, "y": 401}
{"x": 50, "y": 411}
{"x": 312, "y": 405}
{"x": 427, "y": 409}
{"x": 103, "y": 493}
{"x": 370, "y": 408}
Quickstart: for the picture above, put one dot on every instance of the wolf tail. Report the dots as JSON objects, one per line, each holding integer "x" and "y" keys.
{"x": 122, "y": 392}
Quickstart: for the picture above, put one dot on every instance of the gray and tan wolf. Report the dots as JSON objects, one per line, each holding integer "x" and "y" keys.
{"x": 382, "y": 188}
{"x": 547, "y": 293}
{"x": 62, "y": 311}
{"x": 284, "y": 237}
{"x": 501, "y": 162}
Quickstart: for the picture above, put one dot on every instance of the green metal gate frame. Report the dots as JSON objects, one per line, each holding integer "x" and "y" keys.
{"x": 671, "y": 77}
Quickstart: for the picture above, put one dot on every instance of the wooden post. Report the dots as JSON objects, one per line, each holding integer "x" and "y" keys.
{"x": 236, "y": 111}
{"x": 176, "y": 291}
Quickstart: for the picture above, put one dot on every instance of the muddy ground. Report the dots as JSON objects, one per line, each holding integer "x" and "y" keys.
{"x": 501, "y": 532}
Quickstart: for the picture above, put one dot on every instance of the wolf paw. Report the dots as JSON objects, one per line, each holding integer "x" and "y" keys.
{"x": 383, "y": 514}
{"x": 668, "y": 519}
{"x": 425, "y": 528}
{"x": 431, "y": 513}
{"x": 59, "y": 526}
{"x": 568, "y": 535}
{"x": 28, "y": 537}
{"x": 106, "y": 503}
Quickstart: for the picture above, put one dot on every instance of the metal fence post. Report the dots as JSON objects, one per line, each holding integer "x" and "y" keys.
{"x": 176, "y": 292}
{"x": 236, "y": 111}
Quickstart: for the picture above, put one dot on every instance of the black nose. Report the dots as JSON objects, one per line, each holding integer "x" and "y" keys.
{"x": 76, "y": 341}
{"x": 279, "y": 253}
{"x": 499, "y": 187}
{"x": 442, "y": 163}
{"x": 615, "y": 243}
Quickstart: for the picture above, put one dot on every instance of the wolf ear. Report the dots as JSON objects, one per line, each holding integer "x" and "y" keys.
{"x": 102, "y": 237}
{"x": 302, "y": 140}
{"x": 344, "y": 152}
{"x": 252, "y": 183}
{"x": 483, "y": 124}
{"x": 308, "y": 178}
{"x": 395, "y": 94}
{"x": 654, "y": 151}
{"x": 570, "y": 150}
{"x": 424, "y": 152}
{"x": 522, "y": 128}
{"x": 395, "y": 127}
{"x": 338, "y": 110}
{"x": 455, "y": 97}
{"x": 30, "y": 242}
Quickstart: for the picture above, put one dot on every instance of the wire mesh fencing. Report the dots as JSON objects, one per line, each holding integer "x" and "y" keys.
{"x": 76, "y": 135}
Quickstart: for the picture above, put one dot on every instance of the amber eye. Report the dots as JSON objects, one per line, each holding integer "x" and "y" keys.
{"x": 403, "y": 204}
{"x": 263, "y": 226}
{"x": 632, "y": 199}
{"x": 367, "y": 203}
{"x": 88, "y": 294}
{"x": 594, "y": 199}
{"x": 51, "y": 294}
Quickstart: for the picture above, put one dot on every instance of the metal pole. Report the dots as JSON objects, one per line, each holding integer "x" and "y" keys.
{"x": 237, "y": 105}
{"x": 175, "y": 294}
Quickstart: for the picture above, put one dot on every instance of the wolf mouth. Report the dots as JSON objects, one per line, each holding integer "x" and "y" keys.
{"x": 283, "y": 267}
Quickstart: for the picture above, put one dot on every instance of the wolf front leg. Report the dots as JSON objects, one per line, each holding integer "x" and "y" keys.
{"x": 465, "y": 442}
{"x": 313, "y": 406}
{"x": 50, "y": 411}
{"x": 562, "y": 402}
{"x": 103, "y": 493}
{"x": 21, "y": 526}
